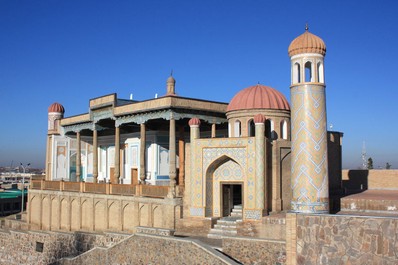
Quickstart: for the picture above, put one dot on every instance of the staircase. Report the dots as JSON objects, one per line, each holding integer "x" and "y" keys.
{"x": 227, "y": 226}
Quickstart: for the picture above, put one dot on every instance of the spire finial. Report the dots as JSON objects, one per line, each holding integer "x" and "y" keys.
{"x": 171, "y": 73}
{"x": 306, "y": 26}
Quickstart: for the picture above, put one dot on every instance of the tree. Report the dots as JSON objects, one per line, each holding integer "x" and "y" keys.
{"x": 388, "y": 166}
{"x": 370, "y": 163}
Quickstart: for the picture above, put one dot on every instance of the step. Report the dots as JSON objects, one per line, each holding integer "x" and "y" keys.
{"x": 236, "y": 214}
{"x": 237, "y": 210}
{"x": 223, "y": 232}
{"x": 226, "y": 227}
{"x": 215, "y": 236}
{"x": 238, "y": 206}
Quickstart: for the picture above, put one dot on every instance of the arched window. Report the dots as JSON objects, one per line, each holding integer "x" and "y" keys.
{"x": 268, "y": 129}
{"x": 237, "y": 129}
{"x": 296, "y": 73}
{"x": 273, "y": 133}
{"x": 251, "y": 128}
{"x": 320, "y": 73}
{"x": 229, "y": 130}
{"x": 284, "y": 129}
{"x": 308, "y": 72}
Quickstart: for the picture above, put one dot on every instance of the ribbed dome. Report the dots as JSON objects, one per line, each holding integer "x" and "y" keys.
{"x": 307, "y": 43}
{"x": 56, "y": 107}
{"x": 258, "y": 97}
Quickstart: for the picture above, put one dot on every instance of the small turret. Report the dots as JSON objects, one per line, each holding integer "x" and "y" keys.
{"x": 55, "y": 113}
{"x": 170, "y": 85}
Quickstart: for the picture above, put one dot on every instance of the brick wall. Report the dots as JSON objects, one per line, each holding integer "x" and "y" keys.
{"x": 355, "y": 180}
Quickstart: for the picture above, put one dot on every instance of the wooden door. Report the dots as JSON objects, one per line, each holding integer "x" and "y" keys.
{"x": 112, "y": 175}
{"x": 134, "y": 176}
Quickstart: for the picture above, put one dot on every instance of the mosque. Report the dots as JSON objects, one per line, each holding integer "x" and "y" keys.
{"x": 251, "y": 167}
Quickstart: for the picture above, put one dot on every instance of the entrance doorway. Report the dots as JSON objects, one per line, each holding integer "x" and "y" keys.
{"x": 231, "y": 196}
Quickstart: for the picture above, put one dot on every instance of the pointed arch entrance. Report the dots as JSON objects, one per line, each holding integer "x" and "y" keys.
{"x": 224, "y": 186}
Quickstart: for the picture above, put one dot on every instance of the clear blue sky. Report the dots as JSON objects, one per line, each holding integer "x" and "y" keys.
{"x": 73, "y": 50}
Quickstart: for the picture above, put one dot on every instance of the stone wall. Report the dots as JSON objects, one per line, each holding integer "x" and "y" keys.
{"x": 255, "y": 251}
{"x": 76, "y": 211}
{"x": 341, "y": 239}
{"x": 266, "y": 229}
{"x": 18, "y": 247}
{"x": 149, "y": 249}
{"x": 376, "y": 179}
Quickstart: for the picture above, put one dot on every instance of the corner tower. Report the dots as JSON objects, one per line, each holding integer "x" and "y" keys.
{"x": 55, "y": 114}
{"x": 308, "y": 125}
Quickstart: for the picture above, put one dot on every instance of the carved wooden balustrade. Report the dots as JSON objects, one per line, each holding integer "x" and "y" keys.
{"x": 102, "y": 188}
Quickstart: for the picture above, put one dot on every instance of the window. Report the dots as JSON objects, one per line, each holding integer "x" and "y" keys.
{"x": 251, "y": 129}
{"x": 308, "y": 72}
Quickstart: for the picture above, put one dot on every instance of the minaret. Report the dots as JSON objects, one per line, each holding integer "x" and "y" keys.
{"x": 55, "y": 114}
{"x": 308, "y": 118}
{"x": 171, "y": 85}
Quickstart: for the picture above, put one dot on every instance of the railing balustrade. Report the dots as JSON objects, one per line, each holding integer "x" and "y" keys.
{"x": 102, "y": 188}
{"x": 52, "y": 185}
{"x": 71, "y": 186}
{"x": 122, "y": 189}
{"x": 95, "y": 188}
{"x": 154, "y": 191}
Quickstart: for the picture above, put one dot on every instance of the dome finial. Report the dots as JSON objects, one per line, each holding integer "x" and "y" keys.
{"x": 306, "y": 26}
{"x": 171, "y": 73}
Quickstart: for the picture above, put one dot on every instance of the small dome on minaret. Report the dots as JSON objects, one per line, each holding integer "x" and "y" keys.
{"x": 171, "y": 85}
{"x": 307, "y": 43}
{"x": 56, "y": 107}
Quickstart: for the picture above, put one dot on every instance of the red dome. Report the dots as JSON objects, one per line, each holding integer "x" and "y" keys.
{"x": 194, "y": 121}
{"x": 258, "y": 97}
{"x": 307, "y": 43}
{"x": 259, "y": 118}
{"x": 56, "y": 107}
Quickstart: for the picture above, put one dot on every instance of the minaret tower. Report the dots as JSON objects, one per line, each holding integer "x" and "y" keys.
{"x": 308, "y": 118}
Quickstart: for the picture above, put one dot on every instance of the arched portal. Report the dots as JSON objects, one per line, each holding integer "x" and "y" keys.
{"x": 224, "y": 186}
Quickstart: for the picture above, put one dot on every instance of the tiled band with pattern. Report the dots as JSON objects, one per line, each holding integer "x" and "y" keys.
{"x": 309, "y": 149}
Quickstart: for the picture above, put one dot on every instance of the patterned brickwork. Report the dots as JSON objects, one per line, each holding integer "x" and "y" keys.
{"x": 309, "y": 149}
{"x": 221, "y": 159}
{"x": 228, "y": 171}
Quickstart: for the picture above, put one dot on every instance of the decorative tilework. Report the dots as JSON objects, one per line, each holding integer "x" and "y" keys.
{"x": 196, "y": 211}
{"x": 252, "y": 214}
{"x": 208, "y": 156}
{"x": 309, "y": 149}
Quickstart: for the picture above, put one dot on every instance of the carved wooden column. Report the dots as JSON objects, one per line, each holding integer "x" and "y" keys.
{"x": 142, "y": 153}
{"x": 181, "y": 155}
{"x": 213, "y": 130}
{"x": 117, "y": 154}
{"x": 172, "y": 157}
{"x": 78, "y": 156}
{"x": 95, "y": 155}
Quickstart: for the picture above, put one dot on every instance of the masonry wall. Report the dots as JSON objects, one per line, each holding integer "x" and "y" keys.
{"x": 75, "y": 211}
{"x": 147, "y": 249}
{"x": 356, "y": 180}
{"x": 341, "y": 239}
{"x": 19, "y": 247}
{"x": 255, "y": 251}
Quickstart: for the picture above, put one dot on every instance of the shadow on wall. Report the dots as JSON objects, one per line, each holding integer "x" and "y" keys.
{"x": 357, "y": 181}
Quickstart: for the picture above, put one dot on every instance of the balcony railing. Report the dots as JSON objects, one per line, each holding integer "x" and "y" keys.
{"x": 103, "y": 188}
